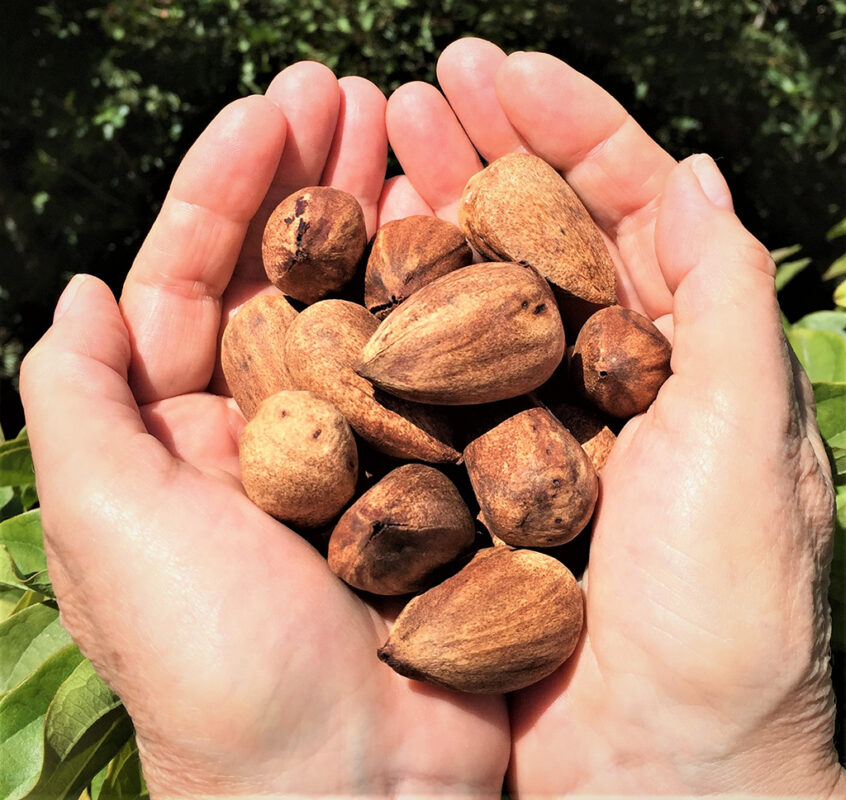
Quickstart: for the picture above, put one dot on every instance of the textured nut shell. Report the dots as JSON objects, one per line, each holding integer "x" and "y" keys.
{"x": 321, "y": 347}
{"x": 620, "y": 361}
{"x": 399, "y": 533}
{"x": 482, "y": 333}
{"x": 588, "y": 429}
{"x": 252, "y": 352}
{"x": 535, "y": 484}
{"x": 313, "y": 241}
{"x": 406, "y": 255}
{"x": 298, "y": 459}
{"x": 506, "y": 620}
{"x": 520, "y": 209}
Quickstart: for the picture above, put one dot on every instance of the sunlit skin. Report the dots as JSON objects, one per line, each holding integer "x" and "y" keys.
{"x": 249, "y": 669}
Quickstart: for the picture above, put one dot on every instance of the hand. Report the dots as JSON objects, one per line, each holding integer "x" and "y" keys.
{"x": 704, "y": 668}
{"x": 246, "y": 665}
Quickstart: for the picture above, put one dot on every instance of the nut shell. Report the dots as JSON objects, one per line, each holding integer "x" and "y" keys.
{"x": 589, "y": 430}
{"x": 535, "y": 484}
{"x": 252, "y": 351}
{"x": 313, "y": 242}
{"x": 506, "y": 620}
{"x": 406, "y": 255}
{"x": 479, "y": 334}
{"x": 298, "y": 459}
{"x": 520, "y": 209}
{"x": 401, "y": 532}
{"x": 321, "y": 347}
{"x": 620, "y": 361}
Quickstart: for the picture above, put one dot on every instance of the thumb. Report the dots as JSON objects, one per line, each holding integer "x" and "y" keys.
{"x": 729, "y": 349}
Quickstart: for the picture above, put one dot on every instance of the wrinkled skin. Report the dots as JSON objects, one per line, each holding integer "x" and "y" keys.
{"x": 249, "y": 669}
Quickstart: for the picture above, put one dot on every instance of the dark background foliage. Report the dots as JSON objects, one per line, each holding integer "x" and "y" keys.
{"x": 100, "y": 101}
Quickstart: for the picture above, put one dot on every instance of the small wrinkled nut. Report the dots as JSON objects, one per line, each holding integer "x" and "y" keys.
{"x": 620, "y": 361}
{"x": 588, "y": 429}
{"x": 252, "y": 352}
{"x": 520, "y": 209}
{"x": 535, "y": 484}
{"x": 298, "y": 459}
{"x": 313, "y": 242}
{"x": 321, "y": 347}
{"x": 505, "y": 621}
{"x": 397, "y": 536}
{"x": 406, "y": 255}
{"x": 479, "y": 334}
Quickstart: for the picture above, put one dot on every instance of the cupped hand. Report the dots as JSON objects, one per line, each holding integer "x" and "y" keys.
{"x": 704, "y": 666}
{"x": 247, "y": 667}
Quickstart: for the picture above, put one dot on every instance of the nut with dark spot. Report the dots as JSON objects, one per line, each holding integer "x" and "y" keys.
{"x": 620, "y": 361}
{"x": 406, "y": 255}
{"x": 313, "y": 242}
{"x": 535, "y": 484}
{"x": 401, "y": 532}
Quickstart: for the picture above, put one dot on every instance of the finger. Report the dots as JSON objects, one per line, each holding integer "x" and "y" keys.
{"x": 615, "y": 167}
{"x": 728, "y": 343}
{"x": 171, "y": 298}
{"x": 466, "y": 72}
{"x": 431, "y": 146}
{"x": 200, "y": 429}
{"x": 308, "y": 95}
{"x": 400, "y": 199}
{"x": 358, "y": 157}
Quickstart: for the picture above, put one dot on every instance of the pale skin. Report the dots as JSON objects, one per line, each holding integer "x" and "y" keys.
{"x": 250, "y": 670}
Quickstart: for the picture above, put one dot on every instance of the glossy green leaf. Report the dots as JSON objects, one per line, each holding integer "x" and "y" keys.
{"x": 831, "y": 412}
{"x": 23, "y": 538}
{"x": 822, "y": 353}
{"x": 823, "y": 321}
{"x": 837, "y": 230}
{"x": 840, "y": 295}
{"x": 22, "y": 715}
{"x": 16, "y": 463}
{"x": 86, "y": 726}
{"x": 29, "y": 638}
{"x": 124, "y": 779}
{"x": 781, "y": 253}
{"x": 9, "y": 599}
{"x": 788, "y": 271}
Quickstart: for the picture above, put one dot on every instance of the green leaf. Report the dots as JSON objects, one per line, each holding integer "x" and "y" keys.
{"x": 837, "y": 269}
{"x": 831, "y": 412}
{"x": 837, "y": 230}
{"x": 22, "y": 560}
{"x": 779, "y": 254}
{"x": 840, "y": 295}
{"x": 85, "y": 728}
{"x": 124, "y": 780}
{"x": 22, "y": 715}
{"x": 9, "y": 599}
{"x": 822, "y": 353}
{"x": 788, "y": 271}
{"x": 823, "y": 321}
{"x": 16, "y": 463}
{"x": 29, "y": 638}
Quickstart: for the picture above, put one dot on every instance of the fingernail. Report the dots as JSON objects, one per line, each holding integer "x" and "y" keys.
{"x": 68, "y": 295}
{"x": 711, "y": 180}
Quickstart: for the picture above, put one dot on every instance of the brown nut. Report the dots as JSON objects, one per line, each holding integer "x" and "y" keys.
{"x": 298, "y": 459}
{"x": 313, "y": 242}
{"x": 321, "y": 347}
{"x": 401, "y": 532}
{"x": 506, "y": 620}
{"x": 406, "y": 255}
{"x": 520, "y": 209}
{"x": 589, "y": 430}
{"x": 535, "y": 484}
{"x": 620, "y": 361}
{"x": 252, "y": 352}
{"x": 479, "y": 334}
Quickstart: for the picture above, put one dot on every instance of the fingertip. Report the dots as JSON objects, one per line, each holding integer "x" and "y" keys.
{"x": 711, "y": 181}
{"x": 304, "y": 77}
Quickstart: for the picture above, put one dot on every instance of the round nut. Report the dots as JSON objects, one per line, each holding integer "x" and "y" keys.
{"x": 298, "y": 457}
{"x": 313, "y": 242}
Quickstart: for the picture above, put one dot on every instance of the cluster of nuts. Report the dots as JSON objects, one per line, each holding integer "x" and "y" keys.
{"x": 446, "y": 362}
